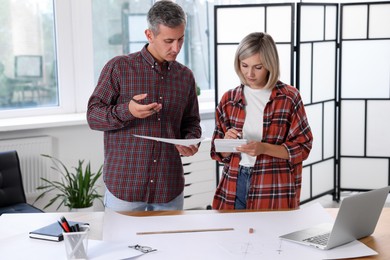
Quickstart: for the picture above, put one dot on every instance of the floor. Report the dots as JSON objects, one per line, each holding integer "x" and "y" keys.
{"x": 328, "y": 202}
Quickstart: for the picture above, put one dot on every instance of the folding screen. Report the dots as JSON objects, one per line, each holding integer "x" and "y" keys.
{"x": 278, "y": 21}
{"x": 316, "y": 70}
{"x": 364, "y": 96}
{"x": 234, "y": 22}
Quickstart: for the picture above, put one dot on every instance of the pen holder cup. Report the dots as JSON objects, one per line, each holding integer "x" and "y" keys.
{"x": 76, "y": 243}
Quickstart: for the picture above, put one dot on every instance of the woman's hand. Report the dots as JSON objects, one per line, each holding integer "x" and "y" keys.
{"x": 252, "y": 148}
{"x": 255, "y": 148}
{"x": 231, "y": 134}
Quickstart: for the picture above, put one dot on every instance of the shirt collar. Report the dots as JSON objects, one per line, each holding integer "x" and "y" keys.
{"x": 152, "y": 61}
{"x": 239, "y": 97}
{"x": 279, "y": 89}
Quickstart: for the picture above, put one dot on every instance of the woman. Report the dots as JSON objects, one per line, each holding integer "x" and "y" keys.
{"x": 266, "y": 172}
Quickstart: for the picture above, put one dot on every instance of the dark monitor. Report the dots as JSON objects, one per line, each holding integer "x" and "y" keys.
{"x": 28, "y": 66}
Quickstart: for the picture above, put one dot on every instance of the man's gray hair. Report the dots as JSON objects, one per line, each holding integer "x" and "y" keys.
{"x": 167, "y": 13}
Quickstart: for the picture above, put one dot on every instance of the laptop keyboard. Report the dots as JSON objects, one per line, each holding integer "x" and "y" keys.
{"x": 319, "y": 239}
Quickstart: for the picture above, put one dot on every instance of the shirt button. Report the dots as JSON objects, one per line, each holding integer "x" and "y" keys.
{"x": 151, "y": 181}
{"x": 162, "y": 77}
{"x": 160, "y": 97}
{"x": 154, "y": 160}
{"x": 158, "y": 119}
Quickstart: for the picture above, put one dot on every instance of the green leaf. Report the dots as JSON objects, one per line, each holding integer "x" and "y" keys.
{"x": 75, "y": 189}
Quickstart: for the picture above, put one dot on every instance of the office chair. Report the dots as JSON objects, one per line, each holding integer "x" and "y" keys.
{"x": 12, "y": 196}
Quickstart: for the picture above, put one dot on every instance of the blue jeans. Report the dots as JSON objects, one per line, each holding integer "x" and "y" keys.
{"x": 243, "y": 183}
{"x": 113, "y": 203}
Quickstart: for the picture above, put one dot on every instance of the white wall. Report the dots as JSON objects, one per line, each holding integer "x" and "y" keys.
{"x": 71, "y": 143}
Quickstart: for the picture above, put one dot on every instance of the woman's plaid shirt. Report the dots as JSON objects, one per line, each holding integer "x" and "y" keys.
{"x": 275, "y": 183}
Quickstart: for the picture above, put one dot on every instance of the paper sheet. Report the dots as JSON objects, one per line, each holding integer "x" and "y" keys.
{"x": 184, "y": 142}
{"x": 23, "y": 247}
{"x": 228, "y": 145}
{"x": 102, "y": 250}
{"x": 263, "y": 243}
{"x": 119, "y": 231}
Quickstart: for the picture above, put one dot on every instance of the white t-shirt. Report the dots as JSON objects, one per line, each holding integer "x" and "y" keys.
{"x": 256, "y": 100}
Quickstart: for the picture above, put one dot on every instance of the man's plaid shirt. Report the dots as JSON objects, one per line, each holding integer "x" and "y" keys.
{"x": 137, "y": 169}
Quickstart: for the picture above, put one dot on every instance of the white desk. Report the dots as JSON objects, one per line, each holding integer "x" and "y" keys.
{"x": 14, "y": 233}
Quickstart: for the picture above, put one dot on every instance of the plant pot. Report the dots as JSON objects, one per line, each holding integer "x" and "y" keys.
{"x": 88, "y": 209}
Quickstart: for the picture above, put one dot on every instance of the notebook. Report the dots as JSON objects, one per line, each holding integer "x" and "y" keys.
{"x": 228, "y": 145}
{"x": 357, "y": 218}
{"x": 52, "y": 232}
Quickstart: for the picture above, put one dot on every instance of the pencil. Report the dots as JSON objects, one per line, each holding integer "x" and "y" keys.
{"x": 184, "y": 231}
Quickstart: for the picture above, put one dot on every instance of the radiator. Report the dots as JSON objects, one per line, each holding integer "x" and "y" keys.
{"x": 33, "y": 165}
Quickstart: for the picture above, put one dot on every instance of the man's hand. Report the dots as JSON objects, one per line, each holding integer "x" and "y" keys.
{"x": 137, "y": 109}
{"x": 187, "y": 150}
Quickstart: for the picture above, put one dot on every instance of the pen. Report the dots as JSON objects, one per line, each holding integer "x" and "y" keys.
{"x": 73, "y": 229}
{"x": 239, "y": 136}
{"x": 62, "y": 226}
{"x": 77, "y": 227}
{"x": 65, "y": 224}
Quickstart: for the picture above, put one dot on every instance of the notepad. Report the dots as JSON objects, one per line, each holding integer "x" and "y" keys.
{"x": 52, "y": 232}
{"x": 228, "y": 145}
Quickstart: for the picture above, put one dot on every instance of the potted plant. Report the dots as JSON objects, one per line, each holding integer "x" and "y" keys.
{"x": 75, "y": 189}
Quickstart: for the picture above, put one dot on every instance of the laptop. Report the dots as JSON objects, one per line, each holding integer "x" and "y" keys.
{"x": 357, "y": 218}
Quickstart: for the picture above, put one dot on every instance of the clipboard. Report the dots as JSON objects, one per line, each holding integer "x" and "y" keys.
{"x": 228, "y": 145}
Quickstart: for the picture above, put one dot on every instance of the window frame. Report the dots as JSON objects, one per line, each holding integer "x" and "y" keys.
{"x": 75, "y": 73}
{"x": 74, "y": 56}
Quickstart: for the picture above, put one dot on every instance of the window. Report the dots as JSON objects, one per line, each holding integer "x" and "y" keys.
{"x": 69, "y": 41}
{"x": 60, "y": 32}
{"x": 118, "y": 28}
{"x": 28, "y": 76}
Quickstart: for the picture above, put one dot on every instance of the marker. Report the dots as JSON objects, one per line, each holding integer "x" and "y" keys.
{"x": 62, "y": 226}
{"x": 77, "y": 227}
{"x": 65, "y": 224}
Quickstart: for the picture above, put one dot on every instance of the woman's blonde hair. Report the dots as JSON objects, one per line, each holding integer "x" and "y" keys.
{"x": 263, "y": 44}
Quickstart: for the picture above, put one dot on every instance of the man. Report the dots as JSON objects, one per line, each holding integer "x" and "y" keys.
{"x": 147, "y": 93}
